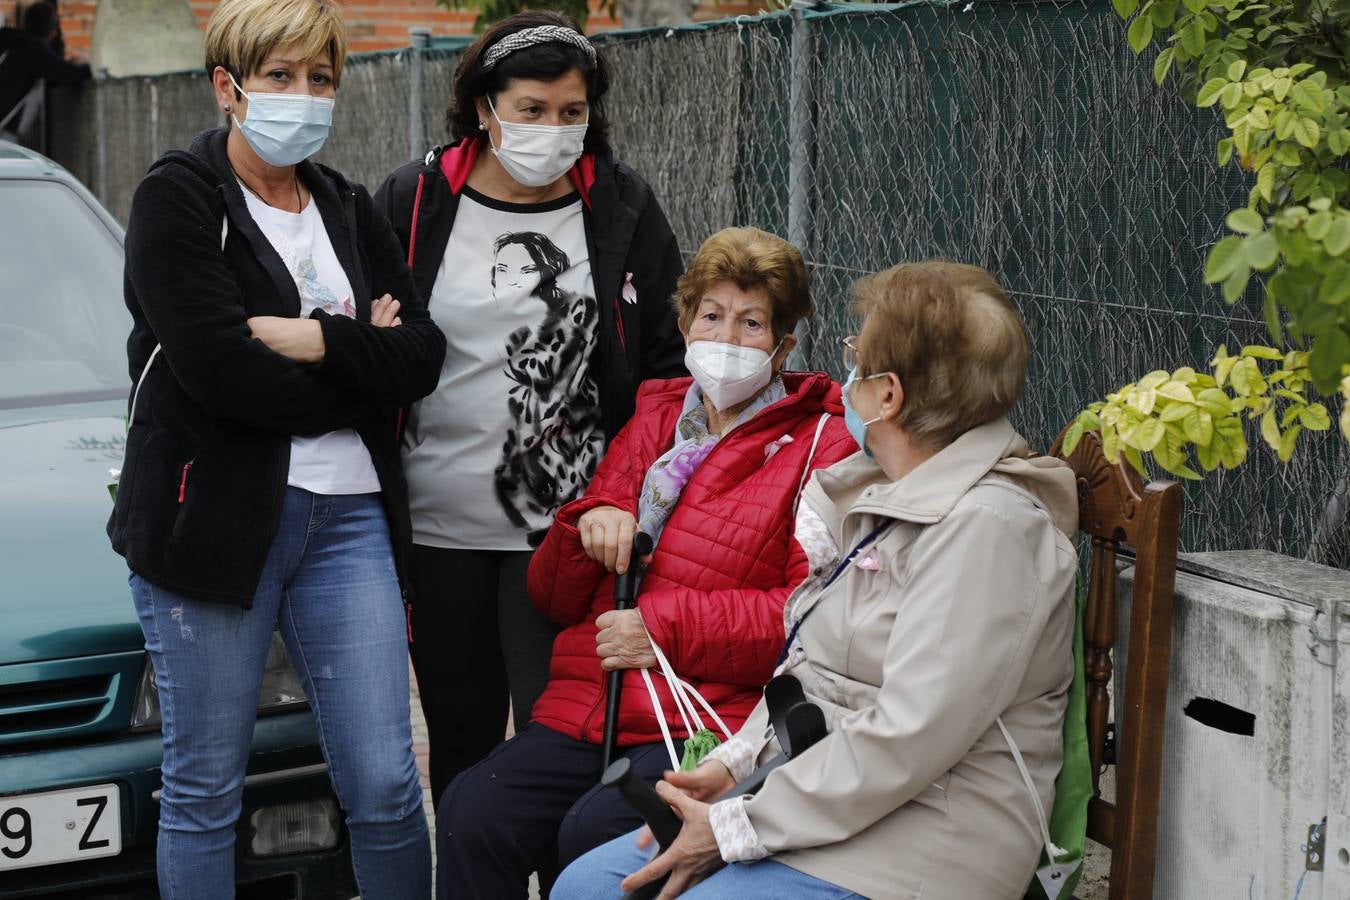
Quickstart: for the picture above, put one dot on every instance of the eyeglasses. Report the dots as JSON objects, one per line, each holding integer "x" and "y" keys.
{"x": 850, "y": 351}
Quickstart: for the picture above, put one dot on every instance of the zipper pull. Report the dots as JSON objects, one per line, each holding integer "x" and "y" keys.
{"x": 182, "y": 483}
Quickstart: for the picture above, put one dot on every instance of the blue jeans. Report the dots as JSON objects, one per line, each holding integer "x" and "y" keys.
{"x": 329, "y": 584}
{"x": 597, "y": 875}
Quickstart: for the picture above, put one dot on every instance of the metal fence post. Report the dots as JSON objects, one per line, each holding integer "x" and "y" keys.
{"x": 801, "y": 144}
{"x": 419, "y": 37}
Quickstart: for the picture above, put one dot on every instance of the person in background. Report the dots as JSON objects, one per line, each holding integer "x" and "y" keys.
{"x": 710, "y": 468}
{"x": 549, "y": 265}
{"x": 29, "y": 62}
{"x": 935, "y": 633}
{"x": 276, "y": 334}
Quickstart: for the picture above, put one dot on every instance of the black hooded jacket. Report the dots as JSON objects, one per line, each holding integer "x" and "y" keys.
{"x": 208, "y": 452}
{"x": 628, "y": 236}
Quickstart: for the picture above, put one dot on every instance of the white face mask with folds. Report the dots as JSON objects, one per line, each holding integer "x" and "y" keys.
{"x": 538, "y": 155}
{"x": 728, "y": 374}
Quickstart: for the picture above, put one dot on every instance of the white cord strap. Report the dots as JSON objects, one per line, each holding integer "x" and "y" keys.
{"x": 1051, "y": 850}
{"x": 682, "y": 692}
{"x": 806, "y": 469}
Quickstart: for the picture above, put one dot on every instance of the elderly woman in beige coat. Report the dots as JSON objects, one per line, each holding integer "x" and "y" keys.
{"x": 935, "y": 633}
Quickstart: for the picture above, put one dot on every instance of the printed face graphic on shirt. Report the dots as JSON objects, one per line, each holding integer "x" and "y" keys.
{"x": 514, "y": 273}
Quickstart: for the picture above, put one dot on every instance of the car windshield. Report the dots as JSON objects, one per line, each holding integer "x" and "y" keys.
{"x": 63, "y": 325}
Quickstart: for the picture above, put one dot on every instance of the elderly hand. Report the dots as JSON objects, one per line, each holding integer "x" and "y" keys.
{"x": 694, "y": 855}
{"x": 297, "y": 339}
{"x": 622, "y": 641}
{"x": 607, "y": 536}
{"x": 384, "y": 313}
{"x": 709, "y": 781}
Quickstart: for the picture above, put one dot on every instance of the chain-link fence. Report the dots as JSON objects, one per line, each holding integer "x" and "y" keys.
{"x": 1024, "y": 137}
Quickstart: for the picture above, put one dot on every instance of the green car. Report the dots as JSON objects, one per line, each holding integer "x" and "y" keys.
{"x": 79, "y": 715}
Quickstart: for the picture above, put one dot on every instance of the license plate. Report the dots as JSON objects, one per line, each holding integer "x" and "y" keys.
{"x": 59, "y": 826}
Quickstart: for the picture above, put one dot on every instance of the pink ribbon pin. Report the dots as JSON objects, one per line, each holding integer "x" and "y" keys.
{"x": 629, "y": 292}
{"x": 774, "y": 446}
{"x": 869, "y": 562}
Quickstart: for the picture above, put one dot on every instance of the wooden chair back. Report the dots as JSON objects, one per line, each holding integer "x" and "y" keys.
{"x": 1116, "y": 508}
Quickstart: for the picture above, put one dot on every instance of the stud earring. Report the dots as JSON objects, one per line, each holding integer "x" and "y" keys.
{"x": 226, "y": 107}
{"x": 482, "y": 126}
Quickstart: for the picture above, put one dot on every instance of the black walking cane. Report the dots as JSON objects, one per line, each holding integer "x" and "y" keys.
{"x": 625, "y": 597}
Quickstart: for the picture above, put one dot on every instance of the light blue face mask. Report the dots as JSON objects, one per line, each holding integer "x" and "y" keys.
{"x": 852, "y": 421}
{"x": 284, "y": 129}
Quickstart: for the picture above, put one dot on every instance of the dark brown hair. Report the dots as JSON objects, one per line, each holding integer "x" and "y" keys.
{"x": 750, "y": 259}
{"x": 543, "y": 62}
{"x": 951, "y": 334}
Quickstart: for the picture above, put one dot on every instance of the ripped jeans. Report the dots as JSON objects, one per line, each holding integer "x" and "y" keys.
{"x": 329, "y": 585}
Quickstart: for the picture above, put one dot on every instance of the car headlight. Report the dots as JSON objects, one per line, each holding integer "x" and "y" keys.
{"x": 280, "y": 688}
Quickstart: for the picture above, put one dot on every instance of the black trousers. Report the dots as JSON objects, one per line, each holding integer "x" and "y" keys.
{"x": 534, "y": 805}
{"x": 479, "y": 648}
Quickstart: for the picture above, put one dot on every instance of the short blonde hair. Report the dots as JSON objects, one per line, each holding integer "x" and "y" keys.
{"x": 750, "y": 259}
{"x": 952, "y": 336}
{"x": 241, "y": 34}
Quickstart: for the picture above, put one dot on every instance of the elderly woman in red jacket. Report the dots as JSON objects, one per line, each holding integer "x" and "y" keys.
{"x": 710, "y": 467}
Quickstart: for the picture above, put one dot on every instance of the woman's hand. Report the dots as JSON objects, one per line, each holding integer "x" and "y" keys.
{"x": 384, "y": 313}
{"x": 297, "y": 339}
{"x": 607, "y": 536}
{"x": 622, "y": 641}
{"x": 694, "y": 855}
{"x": 709, "y": 781}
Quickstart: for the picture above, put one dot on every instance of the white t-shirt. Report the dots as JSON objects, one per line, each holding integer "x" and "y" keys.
{"x": 337, "y": 462}
{"x": 512, "y": 431}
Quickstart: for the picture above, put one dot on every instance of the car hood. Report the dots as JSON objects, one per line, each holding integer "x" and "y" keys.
{"x": 63, "y": 591}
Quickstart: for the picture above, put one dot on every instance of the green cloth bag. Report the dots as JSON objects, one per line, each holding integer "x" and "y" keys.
{"x": 1056, "y": 878}
{"x": 697, "y": 746}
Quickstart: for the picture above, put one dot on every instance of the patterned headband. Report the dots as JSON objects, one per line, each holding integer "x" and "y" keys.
{"x": 542, "y": 34}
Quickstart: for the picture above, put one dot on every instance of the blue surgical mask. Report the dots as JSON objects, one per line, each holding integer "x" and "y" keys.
{"x": 852, "y": 421}
{"x": 284, "y": 129}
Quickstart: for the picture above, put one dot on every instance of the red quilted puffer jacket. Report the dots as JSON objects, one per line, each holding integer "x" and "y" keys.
{"x": 713, "y": 595}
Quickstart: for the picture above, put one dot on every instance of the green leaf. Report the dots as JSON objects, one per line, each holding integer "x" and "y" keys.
{"x": 1199, "y": 426}
{"x": 1235, "y": 69}
{"x": 1306, "y": 132}
{"x": 1153, "y": 379}
{"x": 1337, "y": 239}
{"x": 1225, "y": 151}
{"x": 1226, "y": 256}
{"x": 1286, "y": 448}
{"x": 1309, "y": 96}
{"x": 1261, "y": 352}
{"x": 1193, "y": 38}
{"x": 1265, "y": 183}
{"x": 1271, "y": 310}
{"x": 1246, "y": 378}
{"x": 1140, "y": 33}
{"x": 1136, "y": 460}
{"x": 1261, "y": 250}
{"x": 1209, "y": 93}
{"x": 1215, "y": 401}
{"x": 1072, "y": 437}
{"x": 1186, "y": 375}
{"x": 1246, "y": 221}
{"x": 1330, "y": 351}
{"x": 1147, "y": 435}
{"x": 1336, "y": 285}
{"x": 1235, "y": 285}
{"x": 1315, "y": 417}
{"x": 1270, "y": 429}
{"x": 1231, "y": 95}
{"x": 1209, "y": 454}
{"x": 1175, "y": 390}
{"x": 1125, "y": 8}
{"x": 1175, "y": 412}
{"x": 1163, "y": 64}
{"x": 1319, "y": 223}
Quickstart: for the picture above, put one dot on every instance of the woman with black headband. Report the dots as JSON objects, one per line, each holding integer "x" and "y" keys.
{"x": 550, "y": 266}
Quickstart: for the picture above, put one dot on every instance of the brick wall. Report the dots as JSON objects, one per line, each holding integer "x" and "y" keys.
{"x": 377, "y": 24}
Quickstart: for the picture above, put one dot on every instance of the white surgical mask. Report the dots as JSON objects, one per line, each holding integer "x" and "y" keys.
{"x": 284, "y": 129}
{"x": 728, "y": 374}
{"x": 538, "y": 155}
